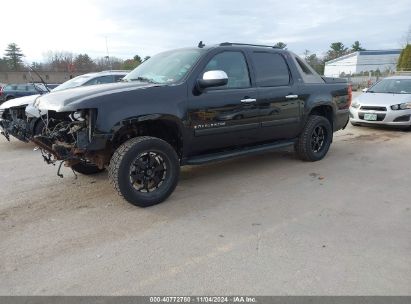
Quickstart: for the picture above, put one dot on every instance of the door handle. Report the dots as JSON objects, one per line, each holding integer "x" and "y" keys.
{"x": 291, "y": 96}
{"x": 248, "y": 100}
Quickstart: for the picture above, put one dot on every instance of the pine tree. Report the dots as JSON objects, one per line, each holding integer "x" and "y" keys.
{"x": 337, "y": 49}
{"x": 404, "y": 62}
{"x": 357, "y": 47}
{"x": 13, "y": 56}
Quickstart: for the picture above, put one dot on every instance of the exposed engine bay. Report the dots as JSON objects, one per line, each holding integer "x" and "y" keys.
{"x": 66, "y": 137}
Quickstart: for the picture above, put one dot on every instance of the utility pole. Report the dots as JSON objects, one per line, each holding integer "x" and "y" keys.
{"x": 108, "y": 56}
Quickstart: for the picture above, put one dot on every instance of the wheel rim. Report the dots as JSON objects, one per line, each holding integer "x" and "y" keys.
{"x": 318, "y": 138}
{"x": 148, "y": 172}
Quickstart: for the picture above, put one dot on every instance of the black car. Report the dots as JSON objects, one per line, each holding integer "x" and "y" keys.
{"x": 11, "y": 91}
{"x": 190, "y": 106}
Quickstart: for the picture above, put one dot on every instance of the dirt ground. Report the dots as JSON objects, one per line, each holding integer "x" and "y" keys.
{"x": 260, "y": 225}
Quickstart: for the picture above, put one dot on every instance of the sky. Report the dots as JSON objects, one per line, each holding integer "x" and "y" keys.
{"x": 147, "y": 27}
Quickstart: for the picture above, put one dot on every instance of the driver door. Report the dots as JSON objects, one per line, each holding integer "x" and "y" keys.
{"x": 225, "y": 116}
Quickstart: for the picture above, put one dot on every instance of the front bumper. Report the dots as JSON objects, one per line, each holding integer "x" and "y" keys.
{"x": 389, "y": 117}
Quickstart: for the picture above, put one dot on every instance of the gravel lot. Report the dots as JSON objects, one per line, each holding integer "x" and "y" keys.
{"x": 260, "y": 225}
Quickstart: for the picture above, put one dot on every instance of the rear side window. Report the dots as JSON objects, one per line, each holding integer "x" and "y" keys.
{"x": 271, "y": 70}
{"x": 303, "y": 66}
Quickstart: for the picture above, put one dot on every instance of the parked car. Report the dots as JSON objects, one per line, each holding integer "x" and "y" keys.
{"x": 387, "y": 102}
{"x": 166, "y": 114}
{"x": 11, "y": 91}
{"x": 16, "y": 122}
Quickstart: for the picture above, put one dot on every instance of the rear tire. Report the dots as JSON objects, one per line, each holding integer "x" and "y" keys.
{"x": 144, "y": 170}
{"x": 315, "y": 139}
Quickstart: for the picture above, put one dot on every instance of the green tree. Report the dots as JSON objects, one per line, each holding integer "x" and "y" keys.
{"x": 13, "y": 55}
{"x": 405, "y": 57}
{"x": 130, "y": 64}
{"x": 357, "y": 47}
{"x": 137, "y": 59}
{"x": 316, "y": 63}
{"x": 146, "y": 58}
{"x": 337, "y": 49}
{"x": 280, "y": 45}
{"x": 83, "y": 63}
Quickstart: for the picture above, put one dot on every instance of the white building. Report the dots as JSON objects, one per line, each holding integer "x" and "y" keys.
{"x": 362, "y": 61}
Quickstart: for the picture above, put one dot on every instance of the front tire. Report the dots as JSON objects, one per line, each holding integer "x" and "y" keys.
{"x": 315, "y": 139}
{"x": 144, "y": 170}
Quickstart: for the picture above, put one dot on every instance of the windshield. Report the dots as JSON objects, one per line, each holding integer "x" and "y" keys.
{"x": 165, "y": 68}
{"x": 72, "y": 83}
{"x": 394, "y": 86}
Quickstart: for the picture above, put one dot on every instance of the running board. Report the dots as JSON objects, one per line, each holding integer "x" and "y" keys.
{"x": 207, "y": 158}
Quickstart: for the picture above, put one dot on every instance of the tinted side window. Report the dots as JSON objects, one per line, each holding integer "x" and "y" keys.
{"x": 100, "y": 80}
{"x": 22, "y": 87}
{"x": 271, "y": 70}
{"x": 234, "y": 64}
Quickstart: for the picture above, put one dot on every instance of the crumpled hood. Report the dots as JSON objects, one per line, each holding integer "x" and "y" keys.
{"x": 382, "y": 99}
{"x": 17, "y": 102}
{"x": 69, "y": 100}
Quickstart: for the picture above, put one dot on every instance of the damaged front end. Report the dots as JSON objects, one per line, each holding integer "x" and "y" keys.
{"x": 13, "y": 121}
{"x": 69, "y": 137}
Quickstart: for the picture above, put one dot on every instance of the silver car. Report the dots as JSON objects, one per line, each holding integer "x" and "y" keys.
{"x": 388, "y": 102}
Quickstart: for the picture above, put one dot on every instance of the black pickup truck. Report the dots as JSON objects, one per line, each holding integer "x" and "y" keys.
{"x": 192, "y": 106}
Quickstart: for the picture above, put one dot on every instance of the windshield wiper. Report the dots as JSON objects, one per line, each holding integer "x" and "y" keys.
{"x": 144, "y": 79}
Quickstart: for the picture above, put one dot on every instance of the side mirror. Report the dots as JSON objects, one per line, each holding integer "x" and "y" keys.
{"x": 365, "y": 90}
{"x": 215, "y": 78}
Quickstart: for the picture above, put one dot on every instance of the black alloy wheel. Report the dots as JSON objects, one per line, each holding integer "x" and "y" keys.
{"x": 144, "y": 170}
{"x": 315, "y": 139}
